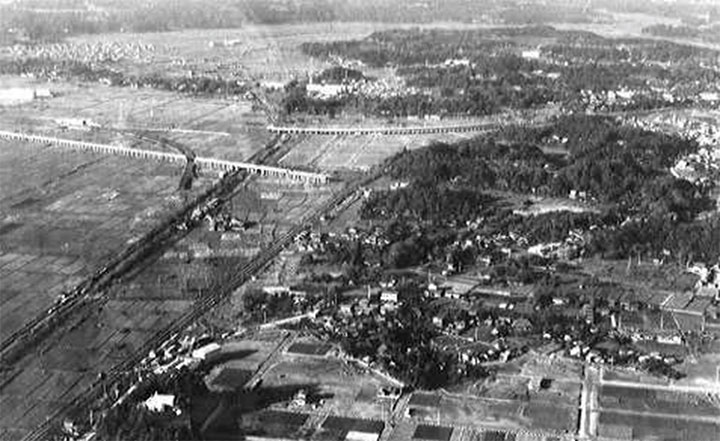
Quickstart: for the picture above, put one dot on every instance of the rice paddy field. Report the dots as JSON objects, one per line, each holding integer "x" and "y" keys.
{"x": 68, "y": 362}
{"x": 66, "y": 214}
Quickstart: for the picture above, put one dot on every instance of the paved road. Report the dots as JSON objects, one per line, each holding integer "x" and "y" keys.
{"x": 584, "y": 404}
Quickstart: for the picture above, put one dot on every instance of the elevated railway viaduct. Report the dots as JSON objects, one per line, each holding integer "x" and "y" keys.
{"x": 418, "y": 130}
{"x": 210, "y": 163}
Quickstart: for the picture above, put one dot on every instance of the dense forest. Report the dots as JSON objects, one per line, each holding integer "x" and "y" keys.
{"x": 623, "y": 169}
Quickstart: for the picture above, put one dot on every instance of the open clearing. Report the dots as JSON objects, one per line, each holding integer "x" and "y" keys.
{"x": 345, "y": 388}
{"x": 467, "y": 410}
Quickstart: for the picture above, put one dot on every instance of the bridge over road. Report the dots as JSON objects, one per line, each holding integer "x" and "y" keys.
{"x": 211, "y": 163}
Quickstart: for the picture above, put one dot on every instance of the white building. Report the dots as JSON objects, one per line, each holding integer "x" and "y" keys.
{"x": 325, "y": 90}
{"x": 532, "y": 54}
{"x": 355, "y": 435}
{"x": 709, "y": 96}
{"x": 160, "y": 402}
{"x": 389, "y": 296}
{"x": 203, "y": 352}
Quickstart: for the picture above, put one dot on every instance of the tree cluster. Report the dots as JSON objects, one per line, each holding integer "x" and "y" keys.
{"x": 625, "y": 169}
{"x": 259, "y": 306}
{"x": 403, "y": 344}
{"x": 425, "y": 201}
{"x": 130, "y": 420}
{"x": 480, "y": 72}
{"x": 339, "y": 75}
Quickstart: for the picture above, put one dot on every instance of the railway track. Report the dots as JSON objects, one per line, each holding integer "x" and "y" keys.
{"x": 209, "y": 298}
{"x": 170, "y": 230}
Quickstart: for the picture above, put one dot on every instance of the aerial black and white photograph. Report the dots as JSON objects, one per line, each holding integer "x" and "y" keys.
{"x": 360, "y": 220}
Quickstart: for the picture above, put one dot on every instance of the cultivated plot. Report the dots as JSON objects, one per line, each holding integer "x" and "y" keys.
{"x": 211, "y": 127}
{"x": 66, "y": 214}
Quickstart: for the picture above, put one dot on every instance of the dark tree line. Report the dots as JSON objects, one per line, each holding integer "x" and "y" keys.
{"x": 439, "y": 205}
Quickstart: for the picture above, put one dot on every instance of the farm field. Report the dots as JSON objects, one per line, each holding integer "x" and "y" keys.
{"x": 655, "y": 427}
{"x": 274, "y": 424}
{"x": 631, "y": 376}
{"x": 356, "y": 152}
{"x": 65, "y": 214}
{"x": 530, "y": 415}
{"x": 655, "y": 400}
{"x": 72, "y": 358}
{"x": 218, "y": 128}
{"x": 87, "y": 208}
